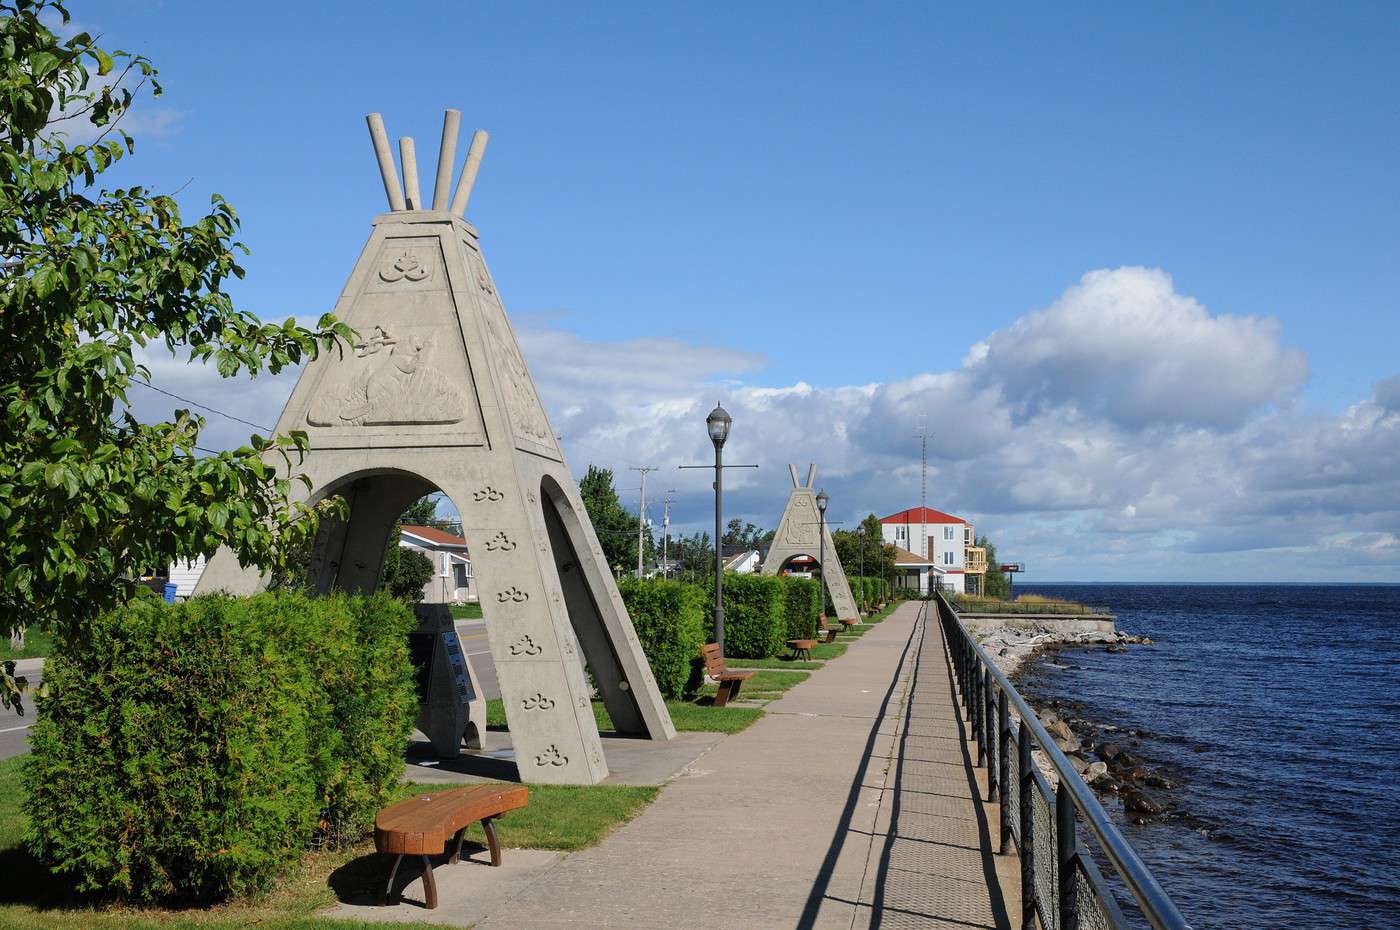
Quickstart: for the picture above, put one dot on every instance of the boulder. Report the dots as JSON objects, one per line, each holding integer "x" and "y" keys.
{"x": 1142, "y": 801}
{"x": 1078, "y": 764}
{"x": 1109, "y": 751}
{"x": 1095, "y": 771}
{"x": 1059, "y": 729}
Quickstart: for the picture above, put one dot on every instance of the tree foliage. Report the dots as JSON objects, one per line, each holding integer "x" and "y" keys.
{"x": 994, "y": 583}
{"x": 739, "y": 535}
{"x": 90, "y": 277}
{"x": 615, "y": 525}
{"x": 879, "y": 555}
{"x": 406, "y": 571}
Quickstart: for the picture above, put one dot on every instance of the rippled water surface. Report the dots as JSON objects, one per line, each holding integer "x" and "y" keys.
{"x": 1280, "y": 706}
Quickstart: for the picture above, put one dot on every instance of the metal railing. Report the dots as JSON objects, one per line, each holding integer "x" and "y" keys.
{"x": 1060, "y": 883}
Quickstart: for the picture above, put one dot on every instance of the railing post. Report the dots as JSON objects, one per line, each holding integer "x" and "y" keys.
{"x": 1065, "y": 844}
{"x": 993, "y": 735}
{"x": 1026, "y": 787}
{"x": 1004, "y": 773}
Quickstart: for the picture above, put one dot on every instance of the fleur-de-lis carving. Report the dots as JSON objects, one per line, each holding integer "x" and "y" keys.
{"x": 537, "y": 701}
{"x": 512, "y": 594}
{"x": 487, "y": 493}
{"x": 525, "y": 646}
{"x": 551, "y": 756}
{"x": 500, "y": 543}
{"x": 405, "y": 267}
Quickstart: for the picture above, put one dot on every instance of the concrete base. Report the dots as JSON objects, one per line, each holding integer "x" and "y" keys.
{"x": 631, "y": 761}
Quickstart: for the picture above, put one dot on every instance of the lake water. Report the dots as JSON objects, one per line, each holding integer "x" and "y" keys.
{"x": 1279, "y": 705}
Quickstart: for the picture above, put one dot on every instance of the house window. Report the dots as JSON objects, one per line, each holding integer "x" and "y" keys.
{"x": 948, "y": 558}
{"x": 459, "y": 575}
{"x": 899, "y": 533}
{"x": 947, "y": 532}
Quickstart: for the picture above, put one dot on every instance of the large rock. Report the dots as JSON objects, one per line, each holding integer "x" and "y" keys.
{"x": 1142, "y": 801}
{"x": 1095, "y": 772}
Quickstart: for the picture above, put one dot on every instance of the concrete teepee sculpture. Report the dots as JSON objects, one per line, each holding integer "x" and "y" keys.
{"x": 800, "y": 533}
{"x": 434, "y": 396}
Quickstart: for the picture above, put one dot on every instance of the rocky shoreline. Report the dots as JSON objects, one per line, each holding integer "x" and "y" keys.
{"x": 1104, "y": 755}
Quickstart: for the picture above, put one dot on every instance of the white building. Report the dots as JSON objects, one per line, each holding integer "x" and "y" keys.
{"x": 453, "y": 581}
{"x": 946, "y": 547}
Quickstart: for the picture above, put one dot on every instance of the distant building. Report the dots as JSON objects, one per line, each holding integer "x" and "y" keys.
{"x": 743, "y": 561}
{"x": 453, "y": 581}
{"x": 946, "y": 547}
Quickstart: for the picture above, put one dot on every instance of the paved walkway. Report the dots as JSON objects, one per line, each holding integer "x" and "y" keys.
{"x": 848, "y": 805}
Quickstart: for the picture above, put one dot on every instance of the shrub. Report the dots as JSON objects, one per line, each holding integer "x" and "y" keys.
{"x": 755, "y": 623}
{"x": 406, "y": 571}
{"x": 802, "y": 605}
{"x": 192, "y": 751}
{"x": 669, "y": 617}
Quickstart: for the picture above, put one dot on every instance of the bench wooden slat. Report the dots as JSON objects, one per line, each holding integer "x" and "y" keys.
{"x": 421, "y": 825}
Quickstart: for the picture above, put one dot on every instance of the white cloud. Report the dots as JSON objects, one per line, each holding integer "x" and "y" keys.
{"x": 1182, "y": 455}
{"x": 1124, "y": 345}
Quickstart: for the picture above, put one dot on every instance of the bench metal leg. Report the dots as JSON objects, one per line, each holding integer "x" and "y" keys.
{"x": 726, "y": 689}
{"x": 429, "y": 884}
{"x": 492, "y": 841}
{"x": 389, "y": 888}
{"x": 457, "y": 848}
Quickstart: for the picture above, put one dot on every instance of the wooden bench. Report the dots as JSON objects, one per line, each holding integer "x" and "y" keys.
{"x": 827, "y": 628}
{"x": 729, "y": 682}
{"x": 420, "y": 827}
{"x": 801, "y": 648}
{"x": 847, "y": 623}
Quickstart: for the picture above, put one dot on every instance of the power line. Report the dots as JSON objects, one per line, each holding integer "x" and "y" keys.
{"x": 195, "y": 403}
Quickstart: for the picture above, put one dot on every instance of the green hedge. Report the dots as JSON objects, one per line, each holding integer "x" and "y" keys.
{"x": 802, "y": 605}
{"x": 191, "y": 752}
{"x": 755, "y": 621}
{"x": 874, "y": 590}
{"x": 669, "y": 617}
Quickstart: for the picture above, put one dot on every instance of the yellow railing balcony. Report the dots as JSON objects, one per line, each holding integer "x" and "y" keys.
{"x": 975, "y": 559}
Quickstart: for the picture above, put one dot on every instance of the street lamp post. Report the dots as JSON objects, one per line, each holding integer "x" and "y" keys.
{"x": 718, "y": 425}
{"x": 821, "y": 547}
{"x": 864, "y": 602}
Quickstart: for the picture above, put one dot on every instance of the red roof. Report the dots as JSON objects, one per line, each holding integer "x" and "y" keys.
{"x": 434, "y": 535}
{"x": 922, "y": 515}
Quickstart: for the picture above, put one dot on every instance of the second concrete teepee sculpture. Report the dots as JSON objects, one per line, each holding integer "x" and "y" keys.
{"x": 436, "y": 396}
{"x": 800, "y": 532}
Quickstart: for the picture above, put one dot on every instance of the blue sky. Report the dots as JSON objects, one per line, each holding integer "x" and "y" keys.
{"x": 779, "y": 197}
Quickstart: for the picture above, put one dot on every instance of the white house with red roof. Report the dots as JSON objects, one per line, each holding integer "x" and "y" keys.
{"x": 453, "y": 581}
{"x": 939, "y": 543}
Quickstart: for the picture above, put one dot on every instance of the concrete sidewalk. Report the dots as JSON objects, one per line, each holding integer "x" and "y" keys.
{"x": 802, "y": 820}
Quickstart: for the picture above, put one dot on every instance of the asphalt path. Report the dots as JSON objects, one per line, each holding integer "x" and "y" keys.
{"x": 14, "y": 729}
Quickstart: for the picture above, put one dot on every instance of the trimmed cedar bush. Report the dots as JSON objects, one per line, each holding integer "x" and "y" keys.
{"x": 802, "y": 605}
{"x": 755, "y": 621}
{"x": 191, "y": 752}
{"x": 669, "y": 617}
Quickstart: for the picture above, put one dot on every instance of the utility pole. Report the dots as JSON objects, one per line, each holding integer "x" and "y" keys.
{"x": 666, "y": 533}
{"x": 642, "y": 513}
{"x": 922, "y": 433}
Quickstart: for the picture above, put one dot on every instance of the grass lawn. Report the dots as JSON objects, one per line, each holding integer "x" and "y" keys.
{"x": 38, "y": 644}
{"x": 766, "y": 682}
{"x": 775, "y": 662}
{"x": 466, "y": 611}
{"x": 687, "y": 716}
{"x": 558, "y": 817}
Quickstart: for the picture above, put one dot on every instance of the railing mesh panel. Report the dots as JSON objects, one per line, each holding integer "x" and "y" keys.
{"x": 1092, "y": 914}
{"x": 1043, "y": 837}
{"x": 1013, "y": 785}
